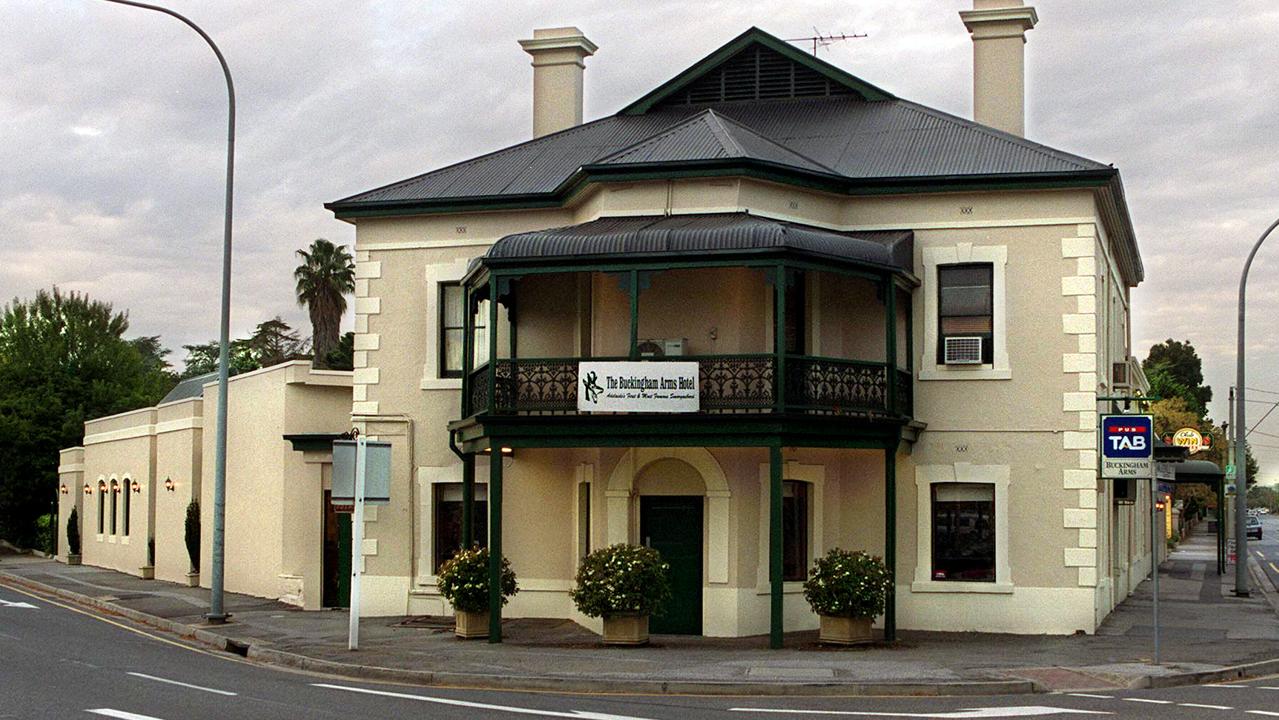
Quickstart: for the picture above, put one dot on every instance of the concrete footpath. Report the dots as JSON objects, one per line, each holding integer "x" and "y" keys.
{"x": 1207, "y": 635}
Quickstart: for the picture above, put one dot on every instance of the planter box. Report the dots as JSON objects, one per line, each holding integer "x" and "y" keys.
{"x": 471, "y": 625}
{"x": 626, "y": 629}
{"x": 73, "y": 559}
{"x": 193, "y": 579}
{"x": 845, "y": 630}
{"x": 148, "y": 572}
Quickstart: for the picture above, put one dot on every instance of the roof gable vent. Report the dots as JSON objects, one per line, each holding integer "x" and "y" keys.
{"x": 757, "y": 73}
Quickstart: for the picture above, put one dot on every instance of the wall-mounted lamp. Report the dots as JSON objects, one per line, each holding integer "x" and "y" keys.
{"x": 63, "y": 489}
{"x": 137, "y": 487}
{"x": 508, "y": 452}
{"x": 168, "y": 484}
{"x": 102, "y": 486}
{"x": 88, "y": 490}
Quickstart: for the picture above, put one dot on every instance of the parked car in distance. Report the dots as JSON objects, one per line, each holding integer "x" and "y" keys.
{"x": 1254, "y": 527}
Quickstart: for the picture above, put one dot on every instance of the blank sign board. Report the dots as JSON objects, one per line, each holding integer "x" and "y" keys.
{"x": 377, "y": 477}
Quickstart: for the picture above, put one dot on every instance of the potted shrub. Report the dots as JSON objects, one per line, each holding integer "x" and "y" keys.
{"x": 73, "y": 538}
{"x": 192, "y": 537}
{"x": 847, "y": 589}
{"x": 464, "y": 582}
{"x": 624, "y": 585}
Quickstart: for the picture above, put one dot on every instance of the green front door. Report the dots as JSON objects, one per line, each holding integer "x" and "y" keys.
{"x": 672, "y": 525}
{"x": 336, "y": 560}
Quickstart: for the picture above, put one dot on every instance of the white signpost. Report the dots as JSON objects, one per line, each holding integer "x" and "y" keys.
{"x": 361, "y": 475}
{"x": 1128, "y": 451}
{"x": 638, "y": 387}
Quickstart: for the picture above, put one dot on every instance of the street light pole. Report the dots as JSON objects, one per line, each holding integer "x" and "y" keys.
{"x": 216, "y": 612}
{"x": 1241, "y": 433}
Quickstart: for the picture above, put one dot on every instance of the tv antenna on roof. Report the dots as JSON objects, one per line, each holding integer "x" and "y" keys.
{"x": 819, "y": 40}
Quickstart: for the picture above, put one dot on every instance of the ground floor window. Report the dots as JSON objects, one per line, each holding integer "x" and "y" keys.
{"x": 583, "y": 520}
{"x": 448, "y": 519}
{"x": 963, "y": 532}
{"x": 102, "y": 507}
{"x": 794, "y": 530}
{"x": 115, "y": 502}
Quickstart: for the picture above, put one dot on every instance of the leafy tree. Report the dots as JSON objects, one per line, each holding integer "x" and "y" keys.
{"x": 203, "y": 359}
{"x": 342, "y": 357}
{"x": 63, "y": 359}
{"x": 325, "y": 277}
{"x": 1175, "y": 370}
{"x": 274, "y": 342}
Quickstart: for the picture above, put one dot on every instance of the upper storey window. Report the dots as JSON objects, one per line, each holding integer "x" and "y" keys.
{"x": 965, "y": 312}
{"x": 452, "y": 329}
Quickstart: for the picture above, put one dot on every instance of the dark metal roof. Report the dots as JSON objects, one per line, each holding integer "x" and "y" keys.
{"x": 701, "y": 235}
{"x": 707, "y": 135}
{"x": 847, "y": 137}
{"x": 864, "y": 141}
{"x": 191, "y": 387}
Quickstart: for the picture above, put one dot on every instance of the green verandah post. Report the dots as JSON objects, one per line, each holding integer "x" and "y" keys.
{"x": 495, "y": 542}
{"x": 495, "y": 481}
{"x": 890, "y": 538}
{"x": 468, "y": 501}
{"x": 775, "y": 625}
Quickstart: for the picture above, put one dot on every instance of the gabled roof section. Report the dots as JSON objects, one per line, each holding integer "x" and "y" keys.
{"x": 755, "y": 66}
{"x": 708, "y": 135}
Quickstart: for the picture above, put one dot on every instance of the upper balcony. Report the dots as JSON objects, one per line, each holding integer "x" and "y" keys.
{"x": 787, "y": 323}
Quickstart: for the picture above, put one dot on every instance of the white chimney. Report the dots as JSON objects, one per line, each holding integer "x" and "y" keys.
{"x": 999, "y": 30}
{"x": 558, "y": 62}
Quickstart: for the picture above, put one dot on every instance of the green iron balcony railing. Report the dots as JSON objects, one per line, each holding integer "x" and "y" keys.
{"x": 728, "y": 384}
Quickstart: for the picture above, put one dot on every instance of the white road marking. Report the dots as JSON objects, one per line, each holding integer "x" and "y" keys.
{"x": 182, "y": 684}
{"x": 578, "y": 714}
{"x": 1265, "y": 687}
{"x": 1262, "y": 712}
{"x": 7, "y": 603}
{"x": 121, "y": 714}
{"x": 987, "y": 712}
{"x": 1090, "y": 695}
{"x": 1208, "y": 707}
{"x": 1229, "y": 686}
{"x": 1148, "y": 700}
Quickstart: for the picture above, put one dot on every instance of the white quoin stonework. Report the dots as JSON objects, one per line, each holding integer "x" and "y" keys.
{"x": 1079, "y": 288}
{"x": 366, "y": 272}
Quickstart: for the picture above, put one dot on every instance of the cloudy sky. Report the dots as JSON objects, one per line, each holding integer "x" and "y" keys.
{"x": 111, "y": 165}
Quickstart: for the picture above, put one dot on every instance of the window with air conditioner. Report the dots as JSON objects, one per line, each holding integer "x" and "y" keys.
{"x": 965, "y": 314}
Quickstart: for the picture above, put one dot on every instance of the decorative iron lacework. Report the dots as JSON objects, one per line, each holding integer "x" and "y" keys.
{"x": 479, "y": 391}
{"x": 546, "y": 385}
{"x": 835, "y": 386}
{"x": 736, "y": 383}
{"x": 905, "y": 393}
{"x": 729, "y": 384}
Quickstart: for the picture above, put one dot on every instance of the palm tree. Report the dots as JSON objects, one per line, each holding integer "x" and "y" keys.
{"x": 326, "y": 275}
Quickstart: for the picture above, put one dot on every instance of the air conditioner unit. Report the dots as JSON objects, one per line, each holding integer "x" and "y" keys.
{"x": 662, "y": 347}
{"x": 650, "y": 348}
{"x": 1119, "y": 375}
{"x": 963, "y": 350}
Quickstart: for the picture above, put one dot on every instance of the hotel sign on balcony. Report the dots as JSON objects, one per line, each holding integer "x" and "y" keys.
{"x": 637, "y": 387}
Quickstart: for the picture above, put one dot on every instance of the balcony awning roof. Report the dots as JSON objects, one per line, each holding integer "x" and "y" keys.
{"x": 688, "y": 237}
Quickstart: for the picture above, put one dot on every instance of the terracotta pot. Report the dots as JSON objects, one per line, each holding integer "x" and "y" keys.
{"x": 626, "y": 629}
{"x": 193, "y": 579}
{"x": 148, "y": 572}
{"x": 470, "y": 625}
{"x": 73, "y": 559}
{"x": 845, "y": 630}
